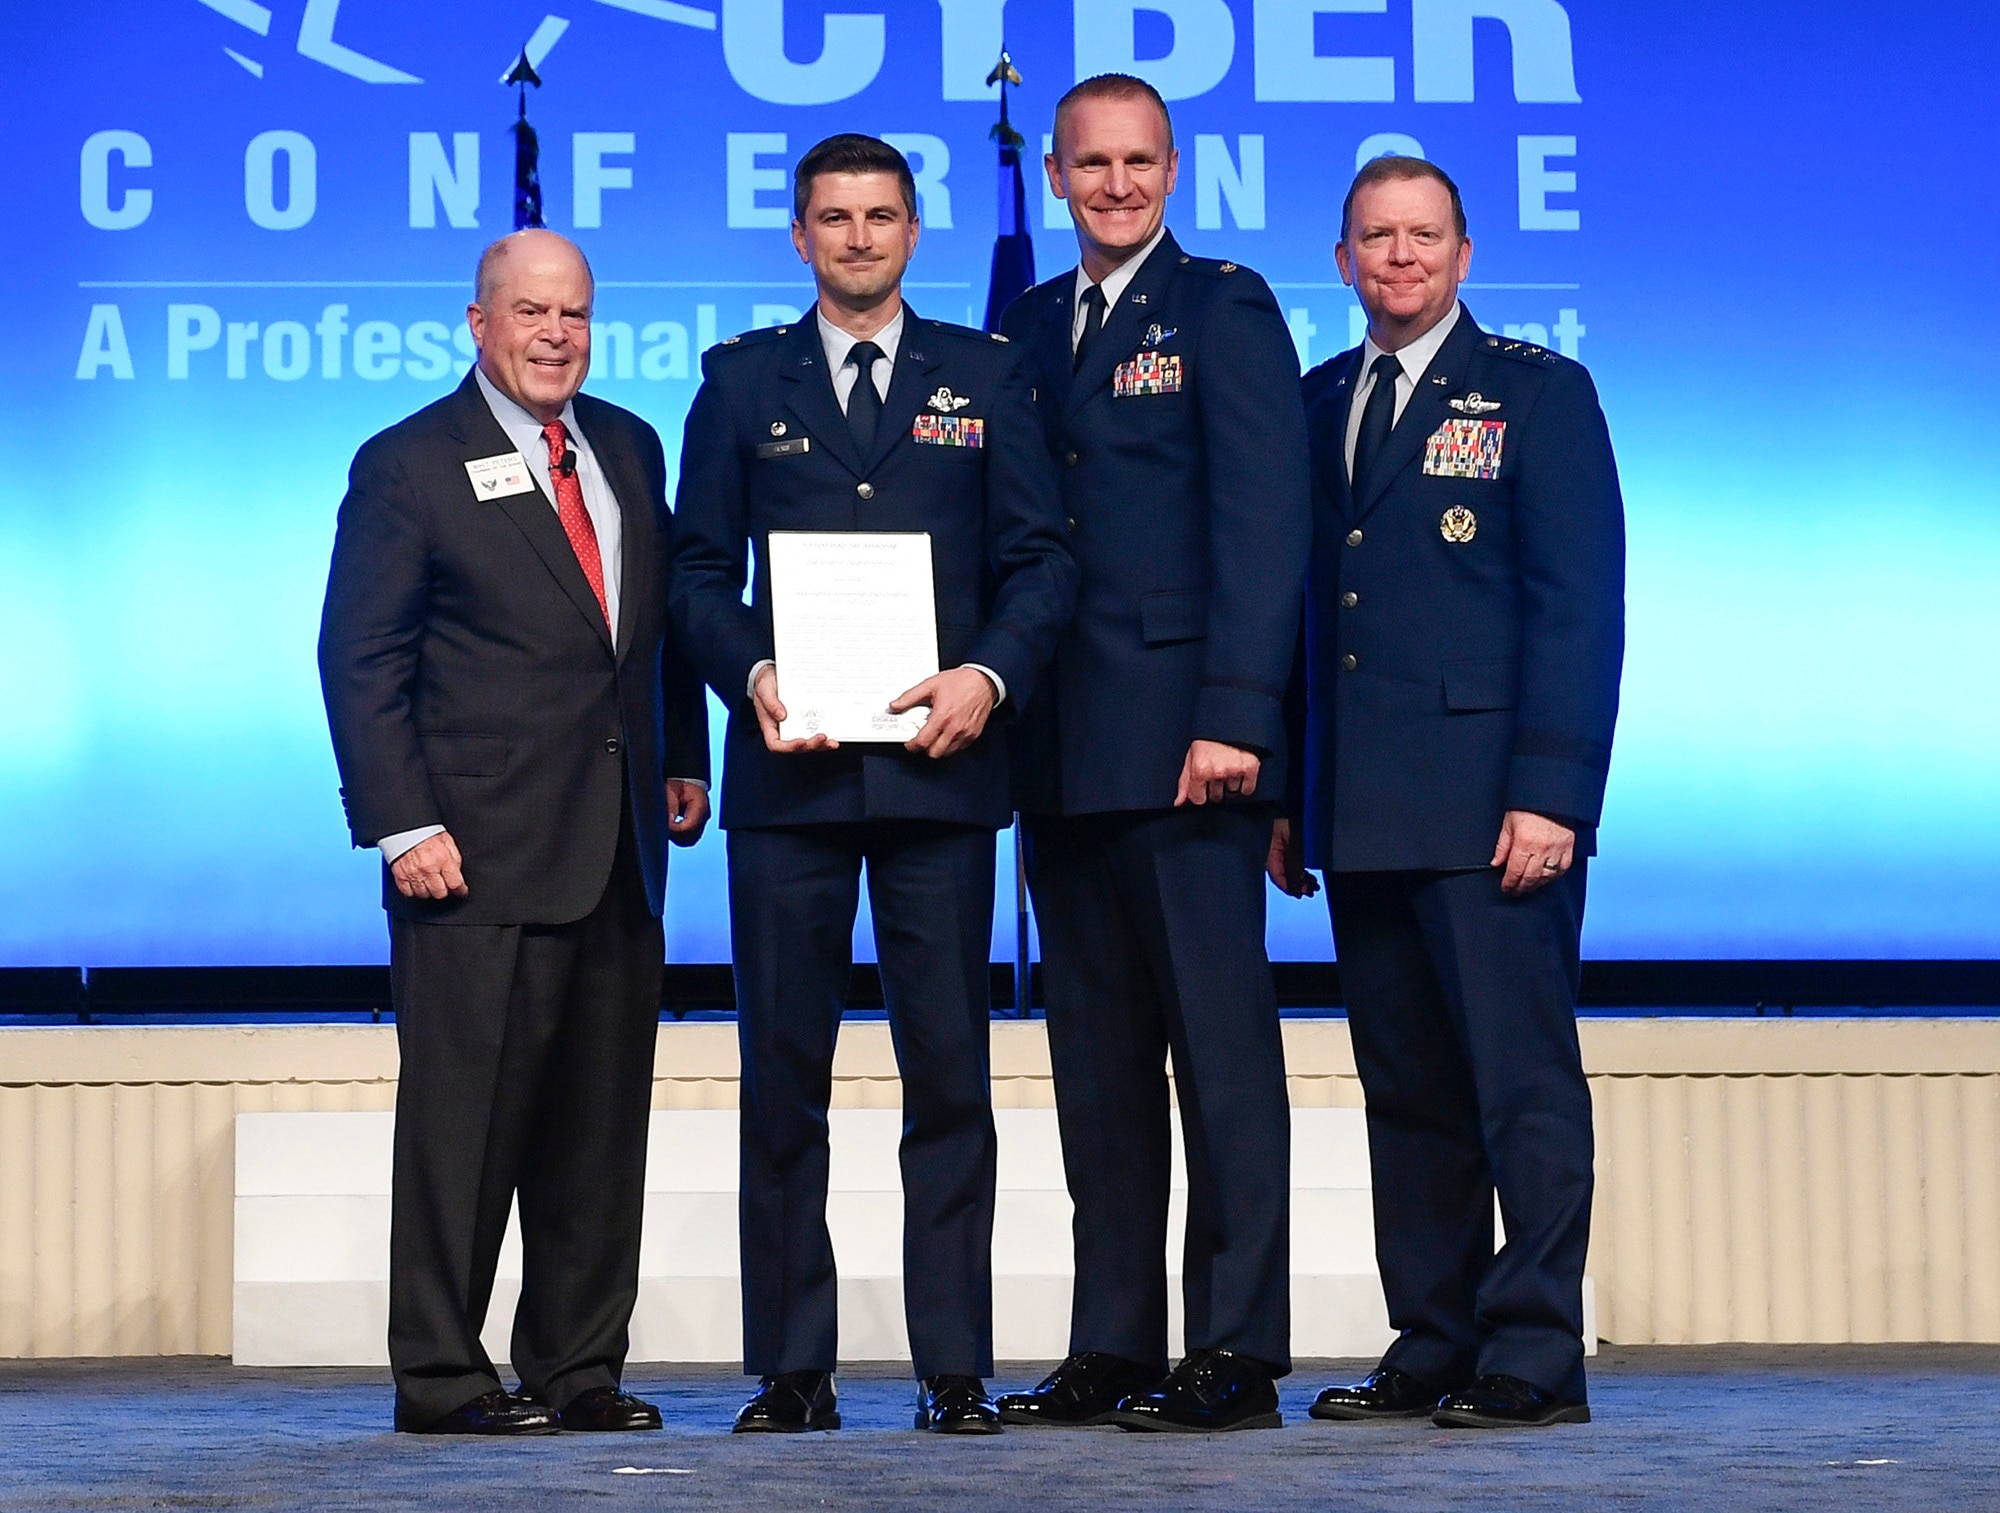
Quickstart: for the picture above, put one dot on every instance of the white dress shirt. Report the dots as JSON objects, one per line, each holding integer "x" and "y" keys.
{"x": 838, "y": 344}
{"x": 1415, "y": 358}
{"x": 1114, "y": 285}
{"x": 599, "y": 503}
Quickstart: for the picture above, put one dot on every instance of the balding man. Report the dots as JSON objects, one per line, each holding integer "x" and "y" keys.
{"x": 515, "y": 733}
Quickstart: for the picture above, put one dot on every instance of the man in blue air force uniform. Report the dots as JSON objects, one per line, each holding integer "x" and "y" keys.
{"x": 1147, "y": 769}
{"x": 1464, "y": 633}
{"x": 865, "y": 417}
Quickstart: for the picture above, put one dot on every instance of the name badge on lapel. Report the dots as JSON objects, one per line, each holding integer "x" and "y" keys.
{"x": 1148, "y": 373}
{"x": 948, "y": 430}
{"x": 1465, "y": 449}
{"x": 796, "y": 446}
{"x": 500, "y": 476}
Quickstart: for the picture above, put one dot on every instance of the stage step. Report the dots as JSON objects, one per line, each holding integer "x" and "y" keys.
{"x": 312, "y": 1240}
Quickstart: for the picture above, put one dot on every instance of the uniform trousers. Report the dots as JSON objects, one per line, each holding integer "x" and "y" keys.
{"x": 793, "y": 893}
{"x": 1462, "y": 1004}
{"x": 1152, "y": 936}
{"x": 527, "y": 1063}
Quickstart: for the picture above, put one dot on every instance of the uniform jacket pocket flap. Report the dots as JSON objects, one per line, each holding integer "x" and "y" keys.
{"x": 1173, "y": 615}
{"x": 468, "y": 756}
{"x": 1480, "y": 685}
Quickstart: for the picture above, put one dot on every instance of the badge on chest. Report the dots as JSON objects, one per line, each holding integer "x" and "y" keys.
{"x": 948, "y": 430}
{"x": 1465, "y": 449}
{"x": 1147, "y": 373}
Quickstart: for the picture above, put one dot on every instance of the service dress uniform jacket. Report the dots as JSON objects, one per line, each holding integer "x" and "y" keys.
{"x": 1464, "y": 635}
{"x": 471, "y": 681}
{"x": 957, "y": 453}
{"x": 1180, "y": 444}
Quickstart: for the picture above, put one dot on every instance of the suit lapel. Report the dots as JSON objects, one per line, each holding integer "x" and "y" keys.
{"x": 1423, "y": 414}
{"x": 809, "y": 392}
{"x": 1052, "y": 346}
{"x": 909, "y": 385}
{"x": 478, "y": 434}
{"x": 1141, "y": 302}
{"x": 1332, "y": 412}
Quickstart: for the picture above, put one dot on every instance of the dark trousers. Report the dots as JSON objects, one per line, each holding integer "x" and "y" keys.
{"x": 527, "y": 1064}
{"x": 1152, "y": 931}
{"x": 1462, "y": 1004}
{"x": 793, "y": 894}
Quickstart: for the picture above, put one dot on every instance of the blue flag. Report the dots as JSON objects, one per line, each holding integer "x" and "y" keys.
{"x": 527, "y": 150}
{"x": 1013, "y": 272}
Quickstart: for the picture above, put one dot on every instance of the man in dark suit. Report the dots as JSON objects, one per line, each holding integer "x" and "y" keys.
{"x": 865, "y": 417}
{"x": 1464, "y": 632}
{"x": 515, "y": 732}
{"x": 1146, "y": 772}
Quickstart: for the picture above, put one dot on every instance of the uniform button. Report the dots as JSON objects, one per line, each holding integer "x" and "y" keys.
{"x": 1350, "y": 662}
{"x": 611, "y": 745}
{"x": 1354, "y": 537}
{"x": 1071, "y": 459}
{"x": 1070, "y": 525}
{"x": 865, "y": 490}
{"x": 1349, "y": 599}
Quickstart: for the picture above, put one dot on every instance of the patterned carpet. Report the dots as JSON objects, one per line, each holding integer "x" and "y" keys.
{"x": 1727, "y": 1428}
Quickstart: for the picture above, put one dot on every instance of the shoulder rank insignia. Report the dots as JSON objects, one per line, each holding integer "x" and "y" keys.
{"x": 1155, "y": 334}
{"x": 945, "y": 402}
{"x": 998, "y": 337}
{"x": 1474, "y": 403}
{"x": 1225, "y": 267}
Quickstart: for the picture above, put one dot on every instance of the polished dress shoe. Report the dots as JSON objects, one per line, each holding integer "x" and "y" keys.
{"x": 606, "y": 1410}
{"x": 494, "y": 1412}
{"x": 792, "y": 1403}
{"x": 1085, "y": 1389}
{"x": 1495, "y": 1401}
{"x": 1384, "y": 1393}
{"x": 1210, "y": 1391}
{"x": 956, "y": 1405}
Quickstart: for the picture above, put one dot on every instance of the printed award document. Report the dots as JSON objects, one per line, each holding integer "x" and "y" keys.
{"x": 854, "y": 624}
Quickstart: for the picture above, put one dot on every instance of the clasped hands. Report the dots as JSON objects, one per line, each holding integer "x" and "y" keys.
{"x": 960, "y": 699}
{"x": 1533, "y": 850}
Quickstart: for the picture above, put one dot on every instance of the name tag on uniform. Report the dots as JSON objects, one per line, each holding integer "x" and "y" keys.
{"x": 948, "y": 430}
{"x": 1465, "y": 449}
{"x": 499, "y": 476}
{"x": 1148, "y": 373}
{"x": 797, "y": 446}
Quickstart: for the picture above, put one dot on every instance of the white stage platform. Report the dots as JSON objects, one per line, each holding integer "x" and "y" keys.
{"x": 312, "y": 1240}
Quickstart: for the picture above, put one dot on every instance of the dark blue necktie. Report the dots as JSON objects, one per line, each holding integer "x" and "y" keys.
{"x": 1377, "y": 421}
{"x": 1093, "y": 322}
{"x": 864, "y": 405}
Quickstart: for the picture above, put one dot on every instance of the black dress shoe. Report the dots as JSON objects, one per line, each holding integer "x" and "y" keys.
{"x": 1085, "y": 1389}
{"x": 1211, "y": 1390}
{"x": 494, "y": 1412}
{"x": 1494, "y": 1401}
{"x": 606, "y": 1410}
{"x": 1384, "y": 1393}
{"x": 792, "y": 1403}
{"x": 956, "y": 1405}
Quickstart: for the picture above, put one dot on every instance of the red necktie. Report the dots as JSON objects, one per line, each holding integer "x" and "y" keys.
{"x": 575, "y": 518}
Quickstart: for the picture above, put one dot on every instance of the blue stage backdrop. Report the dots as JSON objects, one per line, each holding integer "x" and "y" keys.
{"x": 244, "y": 232}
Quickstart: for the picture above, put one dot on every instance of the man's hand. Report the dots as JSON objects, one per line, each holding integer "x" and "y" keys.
{"x": 961, "y": 701}
{"x": 1286, "y": 862}
{"x": 687, "y": 811}
{"x": 430, "y": 869}
{"x": 1213, "y": 772}
{"x": 770, "y": 713}
{"x": 1534, "y": 850}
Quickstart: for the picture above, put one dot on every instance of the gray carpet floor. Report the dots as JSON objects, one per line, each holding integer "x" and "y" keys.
{"x": 1735, "y": 1428}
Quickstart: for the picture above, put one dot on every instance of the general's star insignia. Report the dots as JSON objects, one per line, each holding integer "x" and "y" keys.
{"x": 945, "y": 402}
{"x": 1474, "y": 404}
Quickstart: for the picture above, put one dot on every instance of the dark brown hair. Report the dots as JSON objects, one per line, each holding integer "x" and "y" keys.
{"x": 851, "y": 152}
